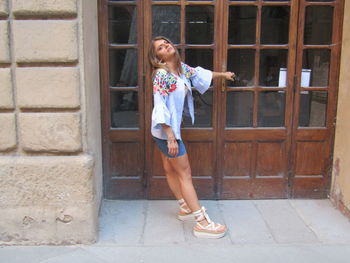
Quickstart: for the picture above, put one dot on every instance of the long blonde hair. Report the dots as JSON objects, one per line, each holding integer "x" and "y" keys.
{"x": 156, "y": 63}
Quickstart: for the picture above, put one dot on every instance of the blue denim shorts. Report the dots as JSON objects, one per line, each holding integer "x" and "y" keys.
{"x": 163, "y": 147}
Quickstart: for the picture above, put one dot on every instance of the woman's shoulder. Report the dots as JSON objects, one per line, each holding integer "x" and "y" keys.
{"x": 187, "y": 70}
{"x": 163, "y": 82}
{"x": 161, "y": 71}
{"x": 160, "y": 74}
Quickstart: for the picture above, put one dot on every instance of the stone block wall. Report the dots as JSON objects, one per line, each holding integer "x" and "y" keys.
{"x": 50, "y": 171}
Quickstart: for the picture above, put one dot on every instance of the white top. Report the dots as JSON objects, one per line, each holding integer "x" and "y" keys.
{"x": 170, "y": 94}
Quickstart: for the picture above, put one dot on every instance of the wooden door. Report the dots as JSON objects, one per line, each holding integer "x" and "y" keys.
{"x": 122, "y": 98}
{"x": 194, "y": 28}
{"x": 256, "y": 116}
{"x": 317, "y": 73}
{"x": 265, "y": 135}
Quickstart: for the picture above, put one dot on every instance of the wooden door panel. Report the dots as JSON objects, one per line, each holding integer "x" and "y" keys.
{"x": 255, "y": 169}
{"x": 237, "y": 157}
{"x": 310, "y": 187}
{"x": 201, "y": 158}
{"x": 157, "y": 185}
{"x": 127, "y": 160}
{"x": 254, "y": 188}
{"x": 271, "y": 159}
{"x": 310, "y": 158}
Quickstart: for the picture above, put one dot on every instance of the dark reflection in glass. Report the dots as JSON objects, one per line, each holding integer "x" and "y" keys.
{"x": 275, "y": 24}
{"x": 199, "y": 57}
{"x": 315, "y": 67}
{"x": 271, "y": 109}
{"x": 272, "y": 62}
{"x": 276, "y": 0}
{"x": 203, "y": 105}
{"x": 239, "y": 109}
{"x": 318, "y": 25}
{"x": 124, "y": 109}
{"x": 242, "y": 24}
{"x": 122, "y": 67}
{"x": 166, "y": 22}
{"x": 241, "y": 62}
{"x": 122, "y": 24}
{"x": 320, "y": 0}
{"x": 199, "y": 24}
{"x": 313, "y": 108}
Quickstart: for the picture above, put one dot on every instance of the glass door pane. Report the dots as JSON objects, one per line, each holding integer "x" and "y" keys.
{"x": 258, "y": 51}
{"x": 316, "y": 62}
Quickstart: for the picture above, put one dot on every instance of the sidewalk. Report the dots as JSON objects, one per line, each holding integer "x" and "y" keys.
{"x": 259, "y": 231}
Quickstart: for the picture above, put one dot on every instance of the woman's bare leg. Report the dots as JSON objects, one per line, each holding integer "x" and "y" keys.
{"x": 182, "y": 169}
{"x": 172, "y": 178}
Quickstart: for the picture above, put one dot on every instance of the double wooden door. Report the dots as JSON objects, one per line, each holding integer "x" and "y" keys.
{"x": 268, "y": 134}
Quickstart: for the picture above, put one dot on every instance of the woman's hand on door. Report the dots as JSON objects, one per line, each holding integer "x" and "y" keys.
{"x": 227, "y": 75}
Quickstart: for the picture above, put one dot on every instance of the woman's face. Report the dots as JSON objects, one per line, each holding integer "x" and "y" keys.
{"x": 164, "y": 50}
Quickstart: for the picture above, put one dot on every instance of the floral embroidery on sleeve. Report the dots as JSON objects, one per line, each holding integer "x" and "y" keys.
{"x": 163, "y": 82}
{"x": 187, "y": 70}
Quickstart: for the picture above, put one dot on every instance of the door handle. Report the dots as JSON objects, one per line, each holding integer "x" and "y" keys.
{"x": 223, "y": 85}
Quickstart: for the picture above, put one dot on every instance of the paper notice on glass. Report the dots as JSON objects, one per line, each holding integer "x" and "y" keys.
{"x": 282, "y": 80}
{"x": 305, "y": 77}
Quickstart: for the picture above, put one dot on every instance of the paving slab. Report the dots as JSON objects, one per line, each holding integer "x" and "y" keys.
{"x": 225, "y": 254}
{"x": 328, "y": 223}
{"x": 80, "y": 255}
{"x": 246, "y": 224}
{"x": 32, "y": 254}
{"x": 288, "y": 231}
{"x": 122, "y": 222}
{"x": 162, "y": 226}
{"x": 284, "y": 222}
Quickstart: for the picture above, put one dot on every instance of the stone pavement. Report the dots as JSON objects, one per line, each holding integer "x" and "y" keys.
{"x": 259, "y": 231}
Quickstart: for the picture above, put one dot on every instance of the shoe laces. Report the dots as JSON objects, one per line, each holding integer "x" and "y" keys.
{"x": 201, "y": 214}
{"x": 182, "y": 204}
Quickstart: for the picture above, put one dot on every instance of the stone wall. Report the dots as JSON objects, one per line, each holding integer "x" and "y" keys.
{"x": 340, "y": 193}
{"x": 50, "y": 140}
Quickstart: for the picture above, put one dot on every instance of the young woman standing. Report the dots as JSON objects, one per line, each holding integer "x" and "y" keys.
{"x": 172, "y": 81}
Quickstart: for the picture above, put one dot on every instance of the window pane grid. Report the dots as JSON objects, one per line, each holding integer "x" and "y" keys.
{"x": 123, "y": 64}
{"x": 269, "y": 84}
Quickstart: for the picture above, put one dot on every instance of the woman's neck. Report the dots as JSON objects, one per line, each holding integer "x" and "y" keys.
{"x": 172, "y": 67}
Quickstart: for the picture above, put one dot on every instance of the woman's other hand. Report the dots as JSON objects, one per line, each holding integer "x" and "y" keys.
{"x": 229, "y": 75}
{"x": 173, "y": 147}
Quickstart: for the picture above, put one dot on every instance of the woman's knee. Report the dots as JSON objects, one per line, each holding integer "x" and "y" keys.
{"x": 167, "y": 168}
{"x": 185, "y": 174}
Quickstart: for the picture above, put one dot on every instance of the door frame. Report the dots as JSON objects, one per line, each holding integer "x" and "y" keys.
{"x": 144, "y": 80}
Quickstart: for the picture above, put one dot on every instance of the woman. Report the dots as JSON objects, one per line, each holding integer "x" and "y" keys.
{"x": 172, "y": 81}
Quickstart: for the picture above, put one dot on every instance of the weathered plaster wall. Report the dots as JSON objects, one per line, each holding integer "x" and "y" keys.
{"x": 340, "y": 193}
{"x": 50, "y": 156}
